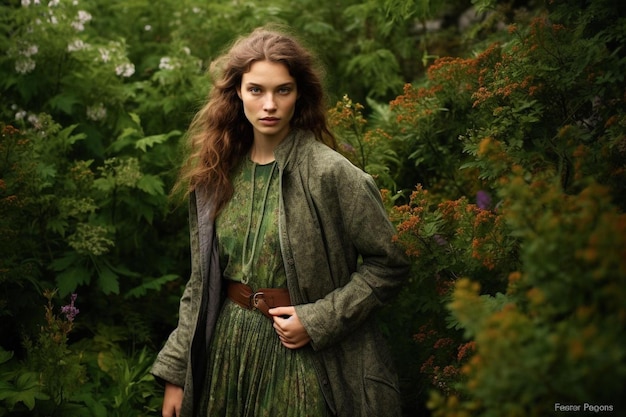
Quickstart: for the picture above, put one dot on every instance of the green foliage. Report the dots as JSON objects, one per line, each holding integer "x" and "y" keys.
{"x": 538, "y": 277}
{"x": 367, "y": 147}
{"x": 514, "y": 302}
{"x": 95, "y": 377}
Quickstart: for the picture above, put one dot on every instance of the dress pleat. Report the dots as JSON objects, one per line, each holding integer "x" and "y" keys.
{"x": 250, "y": 373}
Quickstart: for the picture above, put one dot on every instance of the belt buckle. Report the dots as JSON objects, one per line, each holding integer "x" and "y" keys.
{"x": 254, "y": 299}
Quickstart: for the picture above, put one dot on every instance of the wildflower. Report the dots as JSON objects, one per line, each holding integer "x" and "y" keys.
{"x": 25, "y": 3}
{"x": 125, "y": 70}
{"x": 20, "y": 115}
{"x": 105, "y": 54}
{"x": 24, "y": 66}
{"x": 30, "y": 51}
{"x": 97, "y": 112}
{"x": 53, "y": 3}
{"x": 82, "y": 18}
{"x": 347, "y": 147}
{"x": 483, "y": 200}
{"x": 166, "y": 63}
{"x": 70, "y": 310}
{"x": 91, "y": 240}
{"x": 77, "y": 45}
{"x": 147, "y": 28}
{"x": 440, "y": 240}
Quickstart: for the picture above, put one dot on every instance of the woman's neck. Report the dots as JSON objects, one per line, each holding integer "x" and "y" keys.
{"x": 262, "y": 154}
{"x": 262, "y": 151}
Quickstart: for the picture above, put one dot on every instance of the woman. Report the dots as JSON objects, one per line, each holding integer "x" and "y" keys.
{"x": 291, "y": 252}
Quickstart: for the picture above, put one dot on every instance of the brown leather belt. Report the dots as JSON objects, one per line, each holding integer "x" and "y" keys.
{"x": 263, "y": 299}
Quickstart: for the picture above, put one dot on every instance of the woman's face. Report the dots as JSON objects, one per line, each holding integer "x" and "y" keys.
{"x": 269, "y": 94}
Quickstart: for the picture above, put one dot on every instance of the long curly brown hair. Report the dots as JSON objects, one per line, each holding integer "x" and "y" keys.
{"x": 220, "y": 134}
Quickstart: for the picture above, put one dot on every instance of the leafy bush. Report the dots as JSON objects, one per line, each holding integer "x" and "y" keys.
{"x": 534, "y": 282}
{"x": 504, "y": 168}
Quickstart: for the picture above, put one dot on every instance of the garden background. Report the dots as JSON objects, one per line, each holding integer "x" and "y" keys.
{"x": 496, "y": 130}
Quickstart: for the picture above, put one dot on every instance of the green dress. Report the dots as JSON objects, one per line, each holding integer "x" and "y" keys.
{"x": 250, "y": 373}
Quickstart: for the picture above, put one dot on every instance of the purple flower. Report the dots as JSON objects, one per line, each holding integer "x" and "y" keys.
{"x": 440, "y": 240}
{"x": 483, "y": 200}
{"x": 70, "y": 310}
{"x": 347, "y": 147}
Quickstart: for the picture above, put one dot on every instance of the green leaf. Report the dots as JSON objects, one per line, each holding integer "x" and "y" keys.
{"x": 64, "y": 102}
{"x": 135, "y": 117}
{"x": 68, "y": 138}
{"x": 128, "y": 136}
{"x": 57, "y": 226}
{"x": 104, "y": 184}
{"x": 47, "y": 171}
{"x": 5, "y": 355}
{"x": 150, "y": 284}
{"x": 64, "y": 262}
{"x": 68, "y": 280}
{"x": 150, "y": 141}
{"x": 152, "y": 185}
{"x": 27, "y": 391}
{"x": 108, "y": 281}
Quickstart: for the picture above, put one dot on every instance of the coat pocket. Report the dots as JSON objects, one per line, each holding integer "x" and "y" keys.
{"x": 381, "y": 398}
{"x": 380, "y": 384}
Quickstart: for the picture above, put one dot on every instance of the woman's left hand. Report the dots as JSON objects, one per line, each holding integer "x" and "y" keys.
{"x": 290, "y": 330}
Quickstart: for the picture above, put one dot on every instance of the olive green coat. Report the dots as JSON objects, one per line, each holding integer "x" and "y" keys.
{"x": 341, "y": 264}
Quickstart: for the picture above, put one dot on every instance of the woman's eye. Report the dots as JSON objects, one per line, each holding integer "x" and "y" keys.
{"x": 284, "y": 90}
{"x": 254, "y": 90}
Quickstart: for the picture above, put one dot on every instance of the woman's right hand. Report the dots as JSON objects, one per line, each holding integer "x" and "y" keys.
{"x": 172, "y": 400}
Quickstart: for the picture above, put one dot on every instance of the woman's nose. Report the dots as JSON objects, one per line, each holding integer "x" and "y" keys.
{"x": 269, "y": 104}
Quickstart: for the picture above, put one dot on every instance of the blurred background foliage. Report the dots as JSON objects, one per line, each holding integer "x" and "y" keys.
{"x": 496, "y": 130}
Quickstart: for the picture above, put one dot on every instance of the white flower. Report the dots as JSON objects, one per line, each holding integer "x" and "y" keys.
{"x": 25, "y": 3}
{"x": 30, "y": 50}
{"x": 53, "y": 3}
{"x": 97, "y": 112}
{"x": 77, "y": 45}
{"x": 125, "y": 70}
{"x": 187, "y": 50}
{"x": 20, "y": 115}
{"x": 82, "y": 18}
{"x": 105, "y": 54}
{"x": 147, "y": 28}
{"x": 53, "y": 19}
{"x": 24, "y": 65}
{"x": 34, "y": 120}
{"x": 166, "y": 64}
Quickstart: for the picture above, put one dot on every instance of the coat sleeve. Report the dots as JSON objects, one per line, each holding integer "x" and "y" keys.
{"x": 383, "y": 266}
{"x": 172, "y": 361}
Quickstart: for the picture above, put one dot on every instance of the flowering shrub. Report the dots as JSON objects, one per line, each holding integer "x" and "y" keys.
{"x": 534, "y": 284}
{"x": 368, "y": 147}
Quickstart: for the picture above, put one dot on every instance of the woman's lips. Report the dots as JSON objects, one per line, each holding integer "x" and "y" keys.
{"x": 269, "y": 121}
